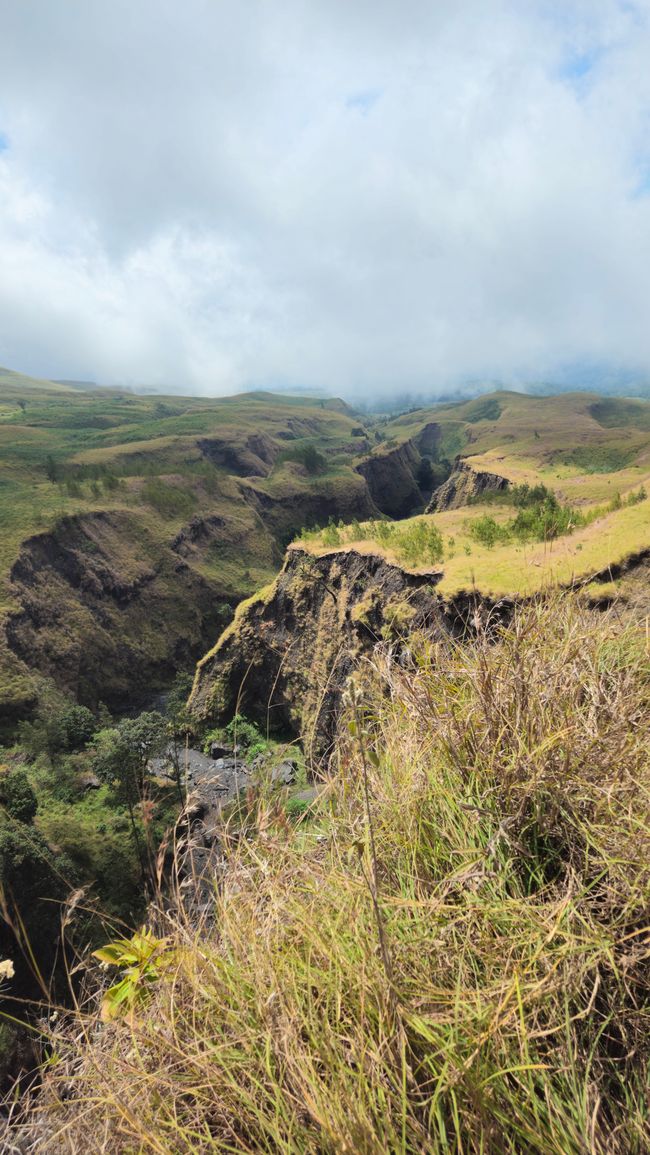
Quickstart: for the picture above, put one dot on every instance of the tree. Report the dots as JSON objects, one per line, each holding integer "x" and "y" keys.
{"x": 32, "y": 884}
{"x": 52, "y": 469}
{"x": 17, "y": 796}
{"x": 59, "y": 727}
{"x": 122, "y": 756}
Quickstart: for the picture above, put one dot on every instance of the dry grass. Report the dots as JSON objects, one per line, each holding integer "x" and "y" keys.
{"x": 497, "y": 793}
{"x": 514, "y": 568}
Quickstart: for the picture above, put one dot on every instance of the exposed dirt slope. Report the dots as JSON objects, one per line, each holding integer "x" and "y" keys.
{"x": 390, "y": 476}
{"x": 464, "y": 484}
{"x": 108, "y": 612}
{"x": 285, "y": 659}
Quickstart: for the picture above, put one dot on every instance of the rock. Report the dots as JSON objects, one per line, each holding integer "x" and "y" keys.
{"x": 89, "y": 781}
{"x": 464, "y": 484}
{"x": 309, "y": 795}
{"x": 287, "y": 657}
{"x": 285, "y": 773}
{"x": 217, "y": 750}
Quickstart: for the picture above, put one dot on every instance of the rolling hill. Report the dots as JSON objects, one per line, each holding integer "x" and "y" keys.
{"x": 132, "y": 525}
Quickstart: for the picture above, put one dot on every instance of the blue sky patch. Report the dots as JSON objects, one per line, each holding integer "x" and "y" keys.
{"x": 642, "y": 185}
{"x": 365, "y": 100}
{"x": 577, "y": 67}
{"x": 4, "y": 142}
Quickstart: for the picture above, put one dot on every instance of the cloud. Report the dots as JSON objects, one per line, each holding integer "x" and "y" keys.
{"x": 355, "y": 196}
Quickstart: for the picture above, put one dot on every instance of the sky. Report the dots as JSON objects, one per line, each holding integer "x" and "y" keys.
{"x": 363, "y": 196}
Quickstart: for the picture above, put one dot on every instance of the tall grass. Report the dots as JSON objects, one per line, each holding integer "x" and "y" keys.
{"x": 450, "y": 955}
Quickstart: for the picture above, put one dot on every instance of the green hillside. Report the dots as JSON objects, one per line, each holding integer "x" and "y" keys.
{"x": 143, "y": 520}
{"x": 117, "y": 479}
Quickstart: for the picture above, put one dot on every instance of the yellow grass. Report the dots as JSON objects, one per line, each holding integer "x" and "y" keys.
{"x": 521, "y": 568}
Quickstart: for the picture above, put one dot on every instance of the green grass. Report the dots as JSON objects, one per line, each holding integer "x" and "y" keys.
{"x": 598, "y": 459}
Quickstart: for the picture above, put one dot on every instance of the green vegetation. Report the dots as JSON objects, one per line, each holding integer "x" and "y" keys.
{"x": 483, "y": 409}
{"x": 451, "y": 957}
{"x": 415, "y": 542}
{"x": 597, "y": 458}
{"x": 241, "y": 733}
{"x": 307, "y": 455}
{"x": 85, "y": 784}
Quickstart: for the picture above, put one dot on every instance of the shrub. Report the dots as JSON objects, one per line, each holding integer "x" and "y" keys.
{"x": 17, "y": 796}
{"x": 486, "y": 531}
{"x": 240, "y": 732}
{"x": 420, "y": 544}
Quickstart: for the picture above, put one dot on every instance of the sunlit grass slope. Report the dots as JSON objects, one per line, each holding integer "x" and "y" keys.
{"x": 505, "y": 569}
{"x": 448, "y": 954}
{"x": 587, "y": 450}
{"x": 579, "y": 443}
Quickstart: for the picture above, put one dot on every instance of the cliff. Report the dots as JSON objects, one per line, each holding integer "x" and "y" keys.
{"x": 110, "y": 603}
{"x": 110, "y": 612}
{"x": 285, "y": 658}
{"x": 464, "y": 484}
{"x": 391, "y": 479}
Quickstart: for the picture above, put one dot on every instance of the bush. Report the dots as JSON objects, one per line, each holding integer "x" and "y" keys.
{"x": 240, "y": 732}
{"x": 420, "y": 544}
{"x": 17, "y": 796}
{"x": 486, "y": 531}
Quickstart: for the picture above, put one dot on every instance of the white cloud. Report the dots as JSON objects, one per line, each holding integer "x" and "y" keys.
{"x": 347, "y": 194}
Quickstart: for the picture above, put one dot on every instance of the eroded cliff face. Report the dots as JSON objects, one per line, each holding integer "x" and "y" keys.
{"x": 285, "y": 659}
{"x": 391, "y": 479}
{"x": 286, "y": 511}
{"x": 464, "y": 484}
{"x": 109, "y": 612}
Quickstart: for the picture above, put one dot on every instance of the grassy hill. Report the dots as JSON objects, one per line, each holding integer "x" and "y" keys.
{"x": 131, "y": 525}
{"x": 112, "y": 490}
{"x": 591, "y": 453}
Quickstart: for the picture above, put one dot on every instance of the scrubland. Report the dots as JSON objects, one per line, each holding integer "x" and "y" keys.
{"x": 448, "y": 952}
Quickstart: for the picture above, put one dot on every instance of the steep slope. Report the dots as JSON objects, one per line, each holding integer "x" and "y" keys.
{"x": 129, "y": 523}
{"x": 391, "y": 479}
{"x": 464, "y": 484}
{"x": 285, "y": 658}
{"x": 111, "y": 623}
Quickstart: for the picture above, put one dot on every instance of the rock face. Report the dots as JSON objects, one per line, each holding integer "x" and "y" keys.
{"x": 255, "y": 458}
{"x": 285, "y": 659}
{"x": 285, "y": 511}
{"x": 391, "y": 479}
{"x": 108, "y": 613}
{"x": 463, "y": 484}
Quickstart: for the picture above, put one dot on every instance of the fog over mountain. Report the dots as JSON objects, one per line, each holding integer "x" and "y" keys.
{"x": 361, "y": 196}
